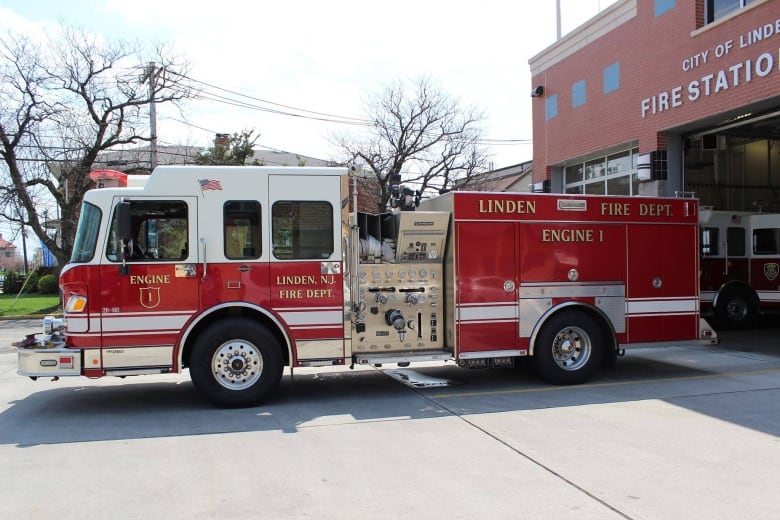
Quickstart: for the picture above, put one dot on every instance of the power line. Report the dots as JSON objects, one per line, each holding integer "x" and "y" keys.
{"x": 354, "y": 120}
{"x": 211, "y": 96}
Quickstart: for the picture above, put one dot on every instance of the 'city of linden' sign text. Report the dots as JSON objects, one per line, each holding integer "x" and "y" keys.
{"x": 730, "y": 76}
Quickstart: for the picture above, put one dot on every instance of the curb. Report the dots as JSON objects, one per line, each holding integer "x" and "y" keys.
{"x": 28, "y": 317}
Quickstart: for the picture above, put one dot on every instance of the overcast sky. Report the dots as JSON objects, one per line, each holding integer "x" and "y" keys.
{"x": 329, "y": 56}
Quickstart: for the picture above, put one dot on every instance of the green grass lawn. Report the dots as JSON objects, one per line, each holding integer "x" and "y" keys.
{"x": 29, "y": 304}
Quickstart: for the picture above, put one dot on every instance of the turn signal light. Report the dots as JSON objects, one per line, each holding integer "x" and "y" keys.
{"x": 76, "y": 304}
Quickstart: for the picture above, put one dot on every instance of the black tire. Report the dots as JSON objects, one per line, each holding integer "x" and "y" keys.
{"x": 736, "y": 308}
{"x": 569, "y": 348}
{"x": 236, "y": 363}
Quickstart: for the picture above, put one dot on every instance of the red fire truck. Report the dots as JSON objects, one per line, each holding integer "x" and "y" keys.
{"x": 739, "y": 266}
{"x": 237, "y": 272}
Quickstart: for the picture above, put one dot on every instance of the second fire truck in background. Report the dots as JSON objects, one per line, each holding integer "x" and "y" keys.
{"x": 740, "y": 266}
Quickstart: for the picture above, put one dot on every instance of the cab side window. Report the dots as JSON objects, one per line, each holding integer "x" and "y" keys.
{"x": 765, "y": 241}
{"x": 302, "y": 230}
{"x": 242, "y": 229}
{"x": 708, "y": 240}
{"x": 735, "y": 236}
{"x": 158, "y": 232}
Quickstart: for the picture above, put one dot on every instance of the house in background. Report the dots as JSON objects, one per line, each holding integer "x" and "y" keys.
{"x": 8, "y": 255}
{"x": 516, "y": 178}
{"x": 137, "y": 161}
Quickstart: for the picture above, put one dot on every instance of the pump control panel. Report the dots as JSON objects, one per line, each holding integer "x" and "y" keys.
{"x": 400, "y": 305}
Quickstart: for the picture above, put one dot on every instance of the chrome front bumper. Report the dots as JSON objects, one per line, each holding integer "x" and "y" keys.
{"x": 48, "y": 362}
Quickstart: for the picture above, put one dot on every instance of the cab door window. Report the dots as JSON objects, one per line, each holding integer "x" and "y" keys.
{"x": 158, "y": 232}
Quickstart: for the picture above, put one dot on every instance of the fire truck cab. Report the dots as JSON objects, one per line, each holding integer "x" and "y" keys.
{"x": 740, "y": 265}
{"x": 237, "y": 272}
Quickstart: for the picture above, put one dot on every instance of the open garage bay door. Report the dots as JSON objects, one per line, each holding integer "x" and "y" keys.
{"x": 735, "y": 165}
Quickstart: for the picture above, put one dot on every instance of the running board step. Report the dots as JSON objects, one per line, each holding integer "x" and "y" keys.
{"x": 137, "y": 371}
{"x": 402, "y": 357}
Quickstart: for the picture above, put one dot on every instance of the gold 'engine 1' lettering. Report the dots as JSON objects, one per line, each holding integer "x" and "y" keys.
{"x": 146, "y": 279}
{"x": 572, "y": 235}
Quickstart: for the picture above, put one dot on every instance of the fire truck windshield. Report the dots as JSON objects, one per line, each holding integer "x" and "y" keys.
{"x": 86, "y": 233}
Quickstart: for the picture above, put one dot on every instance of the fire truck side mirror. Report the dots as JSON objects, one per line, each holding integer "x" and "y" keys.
{"x": 123, "y": 221}
{"x": 123, "y": 229}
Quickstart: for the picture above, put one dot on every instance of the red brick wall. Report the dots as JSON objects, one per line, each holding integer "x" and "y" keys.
{"x": 651, "y": 51}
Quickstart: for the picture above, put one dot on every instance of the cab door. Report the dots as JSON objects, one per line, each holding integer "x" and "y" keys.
{"x": 306, "y": 270}
{"x": 149, "y": 284}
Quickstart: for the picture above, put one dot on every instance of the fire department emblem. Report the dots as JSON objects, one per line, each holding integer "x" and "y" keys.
{"x": 770, "y": 270}
{"x": 150, "y": 297}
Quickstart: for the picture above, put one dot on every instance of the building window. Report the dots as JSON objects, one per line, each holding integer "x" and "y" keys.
{"x": 551, "y": 106}
{"x": 661, "y": 6}
{"x": 612, "y": 78}
{"x": 613, "y": 174}
{"x": 578, "y": 94}
{"x": 717, "y": 9}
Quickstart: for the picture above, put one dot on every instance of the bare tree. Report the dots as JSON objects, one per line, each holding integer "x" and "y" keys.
{"x": 64, "y": 102}
{"x": 421, "y": 134}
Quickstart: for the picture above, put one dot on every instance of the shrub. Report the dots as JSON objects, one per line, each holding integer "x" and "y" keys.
{"x": 47, "y": 284}
{"x": 12, "y": 283}
{"x": 31, "y": 285}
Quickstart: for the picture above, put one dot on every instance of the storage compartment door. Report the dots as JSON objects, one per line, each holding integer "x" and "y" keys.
{"x": 486, "y": 312}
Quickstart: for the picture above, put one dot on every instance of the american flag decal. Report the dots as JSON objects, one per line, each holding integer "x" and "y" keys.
{"x": 209, "y": 184}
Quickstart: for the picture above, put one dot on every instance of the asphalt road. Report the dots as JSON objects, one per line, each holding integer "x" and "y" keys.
{"x": 675, "y": 432}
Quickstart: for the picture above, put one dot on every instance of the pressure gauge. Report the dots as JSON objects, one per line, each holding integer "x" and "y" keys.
{"x": 423, "y": 273}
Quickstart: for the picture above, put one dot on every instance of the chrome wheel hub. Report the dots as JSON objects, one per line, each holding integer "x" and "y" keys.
{"x": 237, "y": 364}
{"x": 736, "y": 309}
{"x": 571, "y": 348}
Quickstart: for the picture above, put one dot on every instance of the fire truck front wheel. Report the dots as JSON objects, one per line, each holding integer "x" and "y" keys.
{"x": 735, "y": 307}
{"x": 236, "y": 363}
{"x": 569, "y": 348}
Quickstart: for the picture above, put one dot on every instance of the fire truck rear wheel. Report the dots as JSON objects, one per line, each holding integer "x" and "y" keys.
{"x": 236, "y": 363}
{"x": 569, "y": 348}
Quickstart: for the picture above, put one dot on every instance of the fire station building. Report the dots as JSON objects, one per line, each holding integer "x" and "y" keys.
{"x": 664, "y": 97}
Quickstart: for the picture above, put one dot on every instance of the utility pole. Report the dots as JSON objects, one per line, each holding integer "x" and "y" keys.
{"x": 24, "y": 239}
{"x": 558, "y": 18}
{"x": 151, "y": 74}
